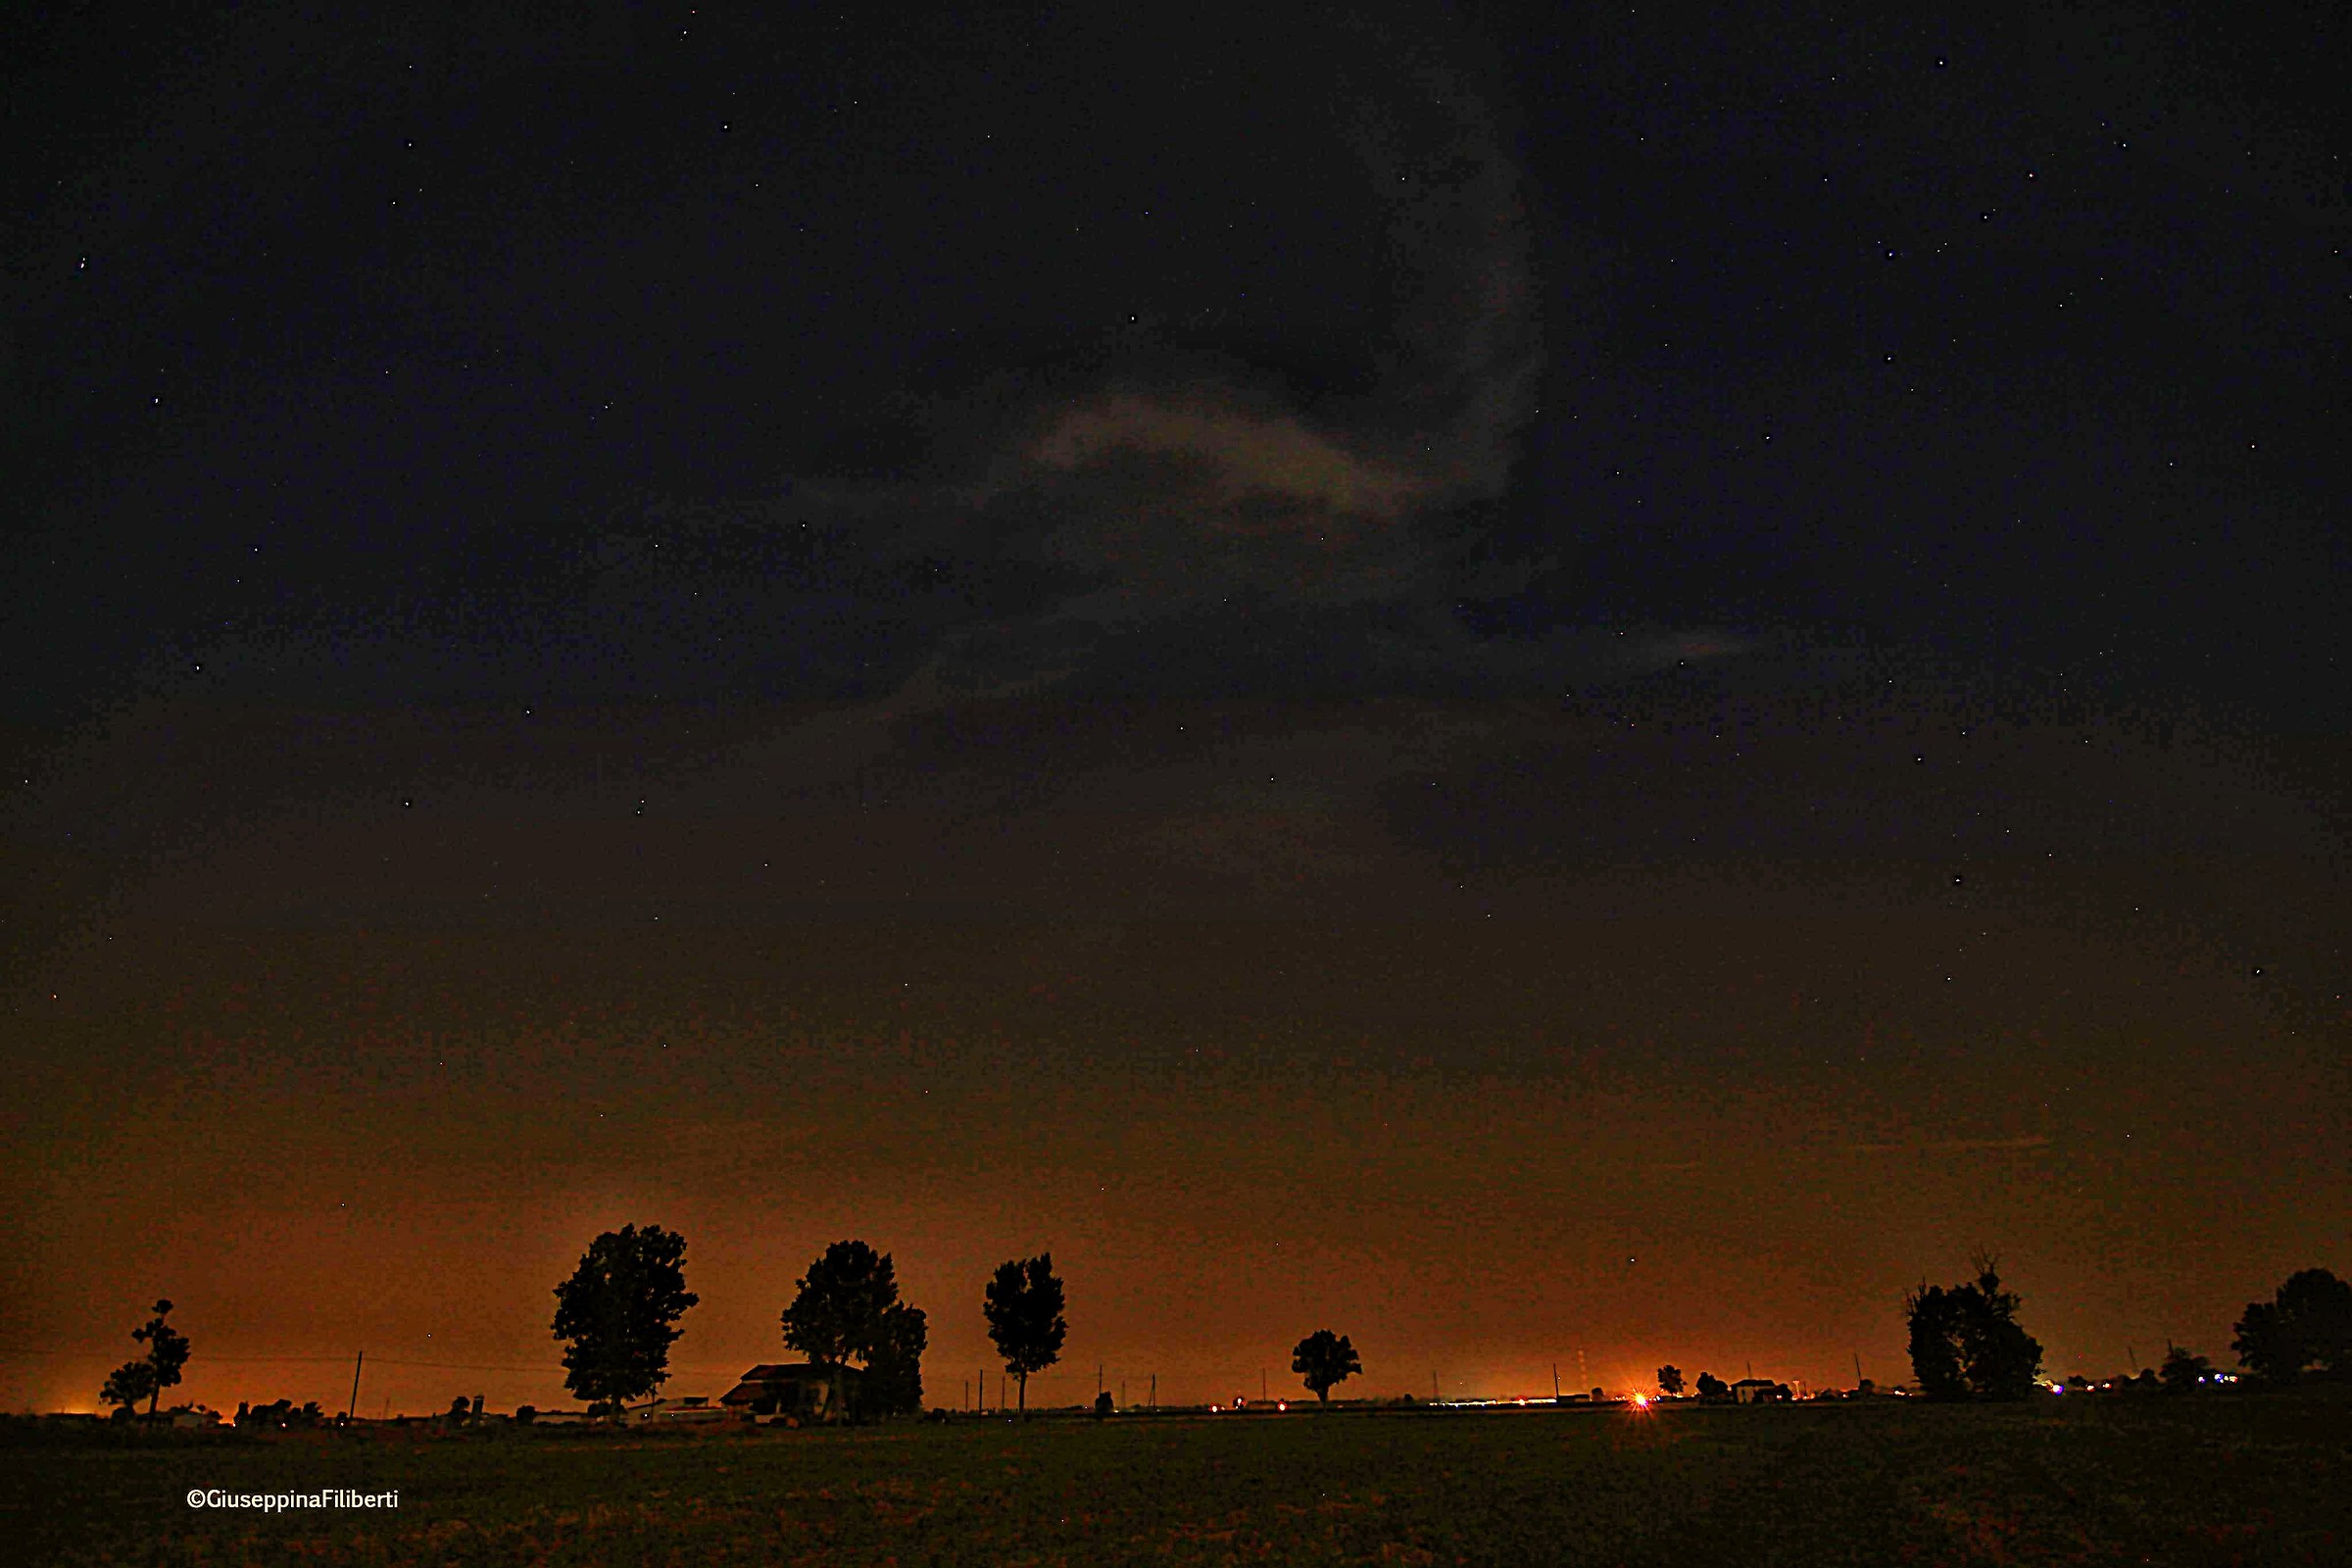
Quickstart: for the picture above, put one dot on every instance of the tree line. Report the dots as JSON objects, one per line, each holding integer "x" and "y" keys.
{"x": 618, "y": 1317}
{"x": 1967, "y": 1343}
{"x": 617, "y": 1312}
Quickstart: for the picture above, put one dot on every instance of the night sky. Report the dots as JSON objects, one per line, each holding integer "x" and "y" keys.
{"x": 1530, "y": 682}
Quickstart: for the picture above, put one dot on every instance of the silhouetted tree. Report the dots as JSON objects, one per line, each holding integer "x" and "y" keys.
{"x": 843, "y": 1314}
{"x": 2184, "y": 1371}
{"x": 1670, "y": 1379}
{"x": 126, "y": 1385}
{"x": 2265, "y": 1345}
{"x": 894, "y": 1373}
{"x": 1104, "y": 1405}
{"x": 2308, "y": 1319}
{"x": 1324, "y": 1358}
{"x": 1023, "y": 1308}
{"x": 166, "y": 1352}
{"x": 1935, "y": 1317}
{"x": 616, "y": 1310}
{"x": 1712, "y": 1388}
{"x": 1967, "y": 1340}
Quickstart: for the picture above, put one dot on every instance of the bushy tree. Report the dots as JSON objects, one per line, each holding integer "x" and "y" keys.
{"x": 894, "y": 1373}
{"x": 166, "y": 1350}
{"x": 158, "y": 1369}
{"x": 127, "y": 1385}
{"x": 837, "y": 1313}
{"x": 1023, "y": 1308}
{"x": 1324, "y": 1358}
{"x": 1713, "y": 1389}
{"x": 2183, "y": 1370}
{"x": 2307, "y": 1320}
{"x": 1670, "y": 1379}
{"x": 1966, "y": 1339}
{"x": 615, "y": 1312}
{"x": 2265, "y": 1347}
{"x": 848, "y": 1310}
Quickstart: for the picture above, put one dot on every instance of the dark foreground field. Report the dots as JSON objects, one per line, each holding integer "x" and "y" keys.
{"x": 2196, "y": 1481}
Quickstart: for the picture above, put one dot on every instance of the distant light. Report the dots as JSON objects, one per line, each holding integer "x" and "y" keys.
{"x": 1282, "y": 1404}
{"x": 1640, "y": 1401}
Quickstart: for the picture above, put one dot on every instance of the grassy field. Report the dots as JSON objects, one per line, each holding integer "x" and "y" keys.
{"x": 2222, "y": 1480}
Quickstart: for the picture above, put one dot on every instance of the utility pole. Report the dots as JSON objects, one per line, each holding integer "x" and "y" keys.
{"x": 1555, "y": 1382}
{"x": 1098, "y": 1380}
{"x": 1858, "y": 1369}
{"x": 1432, "y": 1385}
{"x": 352, "y": 1410}
{"x": 1155, "y": 1391}
{"x": 1261, "y": 1385}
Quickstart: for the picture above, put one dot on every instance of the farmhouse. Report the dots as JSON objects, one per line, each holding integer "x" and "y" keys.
{"x": 797, "y": 1390}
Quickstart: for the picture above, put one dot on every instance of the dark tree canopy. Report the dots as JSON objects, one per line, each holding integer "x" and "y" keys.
{"x": 837, "y": 1315}
{"x": 1324, "y": 1358}
{"x": 1967, "y": 1340}
{"x": 848, "y": 1310}
{"x": 2307, "y": 1320}
{"x": 2182, "y": 1370}
{"x": 1023, "y": 1308}
{"x": 127, "y": 1385}
{"x": 1712, "y": 1388}
{"x": 160, "y": 1369}
{"x": 1670, "y": 1379}
{"x": 894, "y": 1372}
{"x": 617, "y": 1311}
